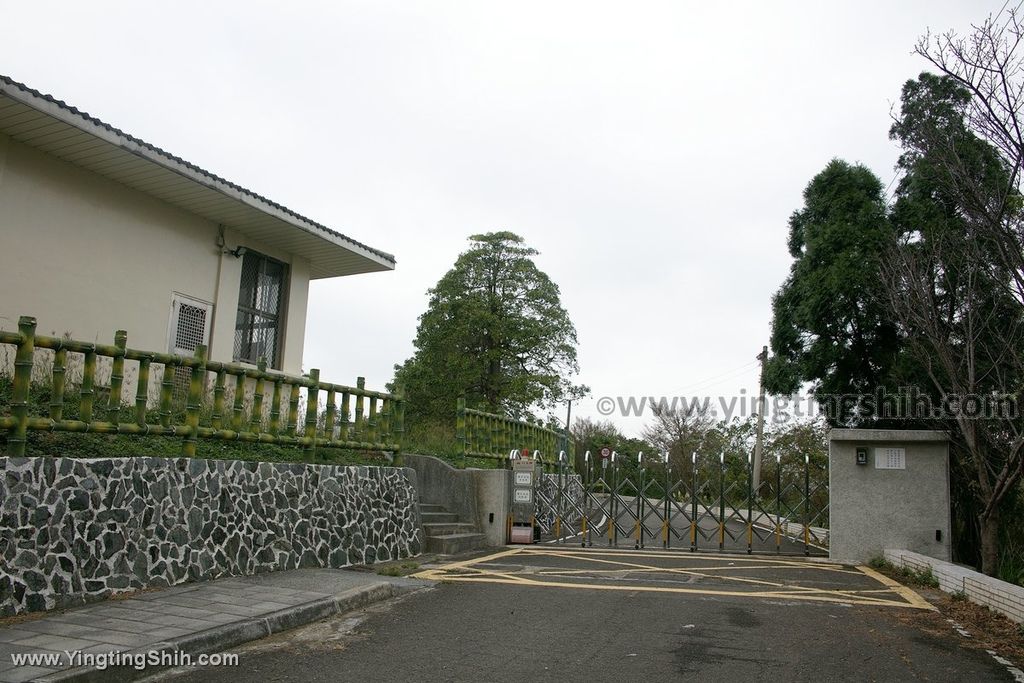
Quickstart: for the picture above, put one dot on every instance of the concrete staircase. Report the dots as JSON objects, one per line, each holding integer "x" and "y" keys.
{"x": 446, "y": 534}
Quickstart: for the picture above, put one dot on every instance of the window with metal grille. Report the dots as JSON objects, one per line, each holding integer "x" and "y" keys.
{"x": 190, "y": 327}
{"x": 258, "y": 323}
{"x": 190, "y": 324}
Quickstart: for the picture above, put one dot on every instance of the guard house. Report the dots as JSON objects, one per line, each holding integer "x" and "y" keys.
{"x": 888, "y": 489}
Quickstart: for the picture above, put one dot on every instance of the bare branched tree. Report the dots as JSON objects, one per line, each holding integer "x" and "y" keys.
{"x": 989, "y": 64}
{"x": 679, "y": 431}
{"x": 970, "y": 344}
{"x": 955, "y": 275}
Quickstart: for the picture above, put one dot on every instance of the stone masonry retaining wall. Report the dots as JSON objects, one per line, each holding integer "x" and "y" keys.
{"x": 74, "y": 530}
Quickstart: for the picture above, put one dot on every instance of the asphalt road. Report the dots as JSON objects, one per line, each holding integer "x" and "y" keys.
{"x": 552, "y": 615}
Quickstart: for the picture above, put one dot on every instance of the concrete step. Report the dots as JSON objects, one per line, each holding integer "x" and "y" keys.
{"x": 450, "y": 544}
{"x": 431, "y": 507}
{"x": 439, "y": 517}
{"x": 445, "y": 528}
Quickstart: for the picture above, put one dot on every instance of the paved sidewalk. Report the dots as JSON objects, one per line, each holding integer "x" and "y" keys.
{"x": 193, "y": 618}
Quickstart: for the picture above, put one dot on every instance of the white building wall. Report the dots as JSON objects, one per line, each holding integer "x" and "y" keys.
{"x": 87, "y": 256}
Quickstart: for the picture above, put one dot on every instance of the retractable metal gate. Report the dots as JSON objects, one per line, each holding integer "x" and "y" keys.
{"x": 707, "y": 503}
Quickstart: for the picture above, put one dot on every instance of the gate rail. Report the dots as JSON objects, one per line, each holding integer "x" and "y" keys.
{"x": 714, "y": 505}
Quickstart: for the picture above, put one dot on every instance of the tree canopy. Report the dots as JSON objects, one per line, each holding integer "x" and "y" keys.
{"x": 921, "y": 293}
{"x": 830, "y": 325}
{"x": 495, "y": 332}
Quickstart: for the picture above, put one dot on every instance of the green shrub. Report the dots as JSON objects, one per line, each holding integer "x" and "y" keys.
{"x": 911, "y": 577}
{"x": 438, "y": 439}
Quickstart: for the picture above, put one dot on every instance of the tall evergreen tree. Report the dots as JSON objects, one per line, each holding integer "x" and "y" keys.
{"x": 495, "y": 331}
{"x": 831, "y": 326}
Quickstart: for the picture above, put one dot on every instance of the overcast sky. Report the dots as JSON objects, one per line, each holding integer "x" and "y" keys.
{"x": 652, "y": 152}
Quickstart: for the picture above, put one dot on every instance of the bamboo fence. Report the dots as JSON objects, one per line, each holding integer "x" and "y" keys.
{"x": 365, "y": 420}
{"x": 493, "y": 437}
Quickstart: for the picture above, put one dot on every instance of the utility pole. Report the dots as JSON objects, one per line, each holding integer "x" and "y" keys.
{"x": 568, "y": 426}
{"x": 759, "y": 444}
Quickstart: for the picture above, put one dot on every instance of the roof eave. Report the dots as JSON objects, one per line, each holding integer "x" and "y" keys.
{"x": 379, "y": 261}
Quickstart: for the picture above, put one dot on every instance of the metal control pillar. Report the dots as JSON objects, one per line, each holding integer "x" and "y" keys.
{"x": 524, "y": 479}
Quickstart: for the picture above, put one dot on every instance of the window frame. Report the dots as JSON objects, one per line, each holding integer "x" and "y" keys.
{"x": 248, "y": 308}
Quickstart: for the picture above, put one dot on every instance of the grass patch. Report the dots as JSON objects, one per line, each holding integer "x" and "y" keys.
{"x": 917, "y": 578}
{"x": 438, "y": 439}
{"x": 398, "y": 568}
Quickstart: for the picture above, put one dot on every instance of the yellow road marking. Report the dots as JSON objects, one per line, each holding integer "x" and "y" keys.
{"x": 777, "y": 563}
{"x": 907, "y": 594}
{"x": 478, "y": 574}
{"x": 674, "y": 554}
{"x": 789, "y": 589}
{"x": 824, "y": 597}
{"x": 682, "y": 570}
{"x": 633, "y": 567}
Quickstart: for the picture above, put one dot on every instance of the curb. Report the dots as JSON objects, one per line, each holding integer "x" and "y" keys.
{"x": 236, "y": 633}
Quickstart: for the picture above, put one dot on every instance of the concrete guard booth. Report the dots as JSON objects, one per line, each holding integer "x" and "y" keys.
{"x": 888, "y": 489}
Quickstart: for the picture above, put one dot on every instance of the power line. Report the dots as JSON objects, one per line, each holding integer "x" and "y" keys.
{"x": 722, "y": 377}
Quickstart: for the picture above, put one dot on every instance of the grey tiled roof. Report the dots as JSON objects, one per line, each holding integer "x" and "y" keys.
{"x": 6, "y": 80}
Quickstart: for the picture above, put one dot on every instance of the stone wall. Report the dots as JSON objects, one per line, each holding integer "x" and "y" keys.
{"x": 76, "y": 530}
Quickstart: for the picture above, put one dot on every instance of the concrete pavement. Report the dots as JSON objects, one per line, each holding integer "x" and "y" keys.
{"x": 194, "y": 618}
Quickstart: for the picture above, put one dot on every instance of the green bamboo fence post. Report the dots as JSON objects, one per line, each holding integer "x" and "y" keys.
{"x": 484, "y": 427}
{"x": 88, "y": 380}
{"x": 275, "y": 410}
{"x": 117, "y": 377}
{"x": 312, "y": 404}
{"x": 23, "y": 360}
{"x": 166, "y": 394}
{"x": 195, "y": 400}
{"x": 495, "y": 443}
{"x": 399, "y": 424}
{"x": 217, "y": 419}
{"x": 239, "y": 403}
{"x": 460, "y": 426}
{"x": 386, "y": 407}
{"x": 382, "y": 423}
{"x": 482, "y": 432}
{"x": 358, "y": 421}
{"x": 256, "y": 418}
{"x": 469, "y": 440}
{"x": 60, "y": 359}
{"x": 142, "y": 392}
{"x": 371, "y": 422}
{"x": 293, "y": 410}
{"x": 344, "y": 433}
{"x": 332, "y": 411}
